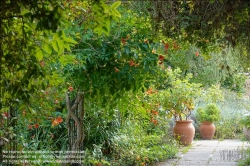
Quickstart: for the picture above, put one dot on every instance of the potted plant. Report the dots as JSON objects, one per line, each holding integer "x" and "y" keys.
{"x": 207, "y": 115}
{"x": 178, "y": 101}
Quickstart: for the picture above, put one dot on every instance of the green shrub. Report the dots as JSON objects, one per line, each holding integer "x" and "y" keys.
{"x": 235, "y": 83}
{"x": 210, "y": 113}
{"x": 228, "y": 129}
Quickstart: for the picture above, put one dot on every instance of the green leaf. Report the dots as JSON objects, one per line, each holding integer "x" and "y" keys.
{"x": 32, "y": 110}
{"x": 69, "y": 40}
{"x": 47, "y": 48}
{"x": 60, "y": 52}
{"x": 28, "y": 14}
{"x": 39, "y": 55}
{"x": 116, "y": 13}
{"x": 98, "y": 30}
{"x": 60, "y": 33}
{"x": 67, "y": 47}
{"x": 22, "y": 107}
{"x": 66, "y": 59}
{"x": 54, "y": 45}
{"x": 56, "y": 36}
{"x": 116, "y": 4}
{"x": 60, "y": 44}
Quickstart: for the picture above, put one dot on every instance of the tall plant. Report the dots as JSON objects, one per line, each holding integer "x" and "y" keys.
{"x": 178, "y": 98}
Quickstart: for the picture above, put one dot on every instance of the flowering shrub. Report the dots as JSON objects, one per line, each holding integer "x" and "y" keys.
{"x": 178, "y": 99}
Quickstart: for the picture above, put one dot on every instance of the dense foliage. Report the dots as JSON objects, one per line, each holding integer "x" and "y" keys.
{"x": 203, "y": 23}
{"x": 210, "y": 113}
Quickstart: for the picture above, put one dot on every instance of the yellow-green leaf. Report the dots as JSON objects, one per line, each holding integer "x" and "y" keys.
{"x": 69, "y": 40}
{"x": 67, "y": 47}
{"x": 116, "y": 13}
{"x": 54, "y": 45}
{"x": 116, "y": 4}
{"x": 39, "y": 55}
{"x": 60, "y": 51}
{"x": 47, "y": 48}
{"x": 60, "y": 44}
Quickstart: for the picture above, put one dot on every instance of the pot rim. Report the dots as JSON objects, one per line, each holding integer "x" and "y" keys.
{"x": 184, "y": 121}
{"x": 206, "y": 122}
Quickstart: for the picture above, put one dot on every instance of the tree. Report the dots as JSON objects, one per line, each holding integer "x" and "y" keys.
{"x": 202, "y": 23}
{"x": 26, "y": 29}
{"x": 33, "y": 46}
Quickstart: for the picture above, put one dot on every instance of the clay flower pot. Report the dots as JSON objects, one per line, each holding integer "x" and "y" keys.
{"x": 207, "y": 130}
{"x": 246, "y": 133}
{"x": 184, "y": 132}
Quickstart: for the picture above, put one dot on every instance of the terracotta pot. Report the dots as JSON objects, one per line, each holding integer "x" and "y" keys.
{"x": 246, "y": 133}
{"x": 184, "y": 132}
{"x": 207, "y": 130}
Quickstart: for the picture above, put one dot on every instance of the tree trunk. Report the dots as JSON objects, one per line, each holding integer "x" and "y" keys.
{"x": 74, "y": 122}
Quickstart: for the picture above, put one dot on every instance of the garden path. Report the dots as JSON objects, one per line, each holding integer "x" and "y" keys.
{"x": 209, "y": 153}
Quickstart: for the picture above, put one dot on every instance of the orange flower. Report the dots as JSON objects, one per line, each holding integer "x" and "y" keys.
{"x": 42, "y": 63}
{"x": 116, "y": 70}
{"x": 123, "y": 41}
{"x": 6, "y": 115}
{"x": 154, "y": 121}
{"x": 161, "y": 57}
{"x": 57, "y": 121}
{"x": 149, "y": 91}
{"x": 166, "y": 46}
{"x": 131, "y": 63}
{"x": 154, "y": 112}
{"x": 70, "y": 88}
{"x": 196, "y": 53}
{"x": 36, "y": 126}
{"x": 30, "y": 127}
